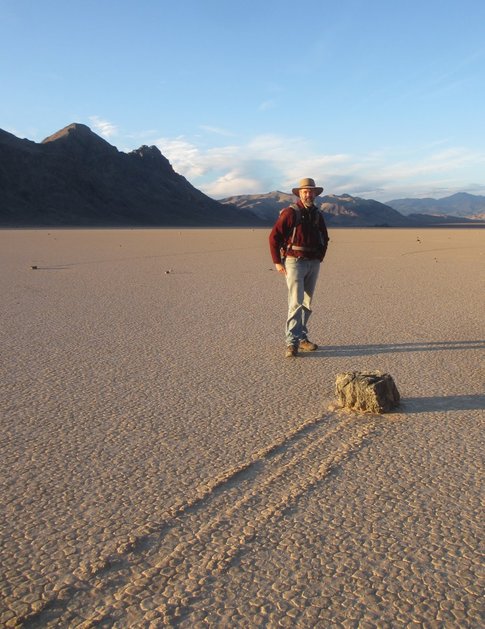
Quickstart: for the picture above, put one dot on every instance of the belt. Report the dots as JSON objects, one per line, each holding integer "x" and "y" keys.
{"x": 310, "y": 249}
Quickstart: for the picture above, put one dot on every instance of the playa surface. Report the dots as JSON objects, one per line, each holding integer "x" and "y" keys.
{"x": 163, "y": 463}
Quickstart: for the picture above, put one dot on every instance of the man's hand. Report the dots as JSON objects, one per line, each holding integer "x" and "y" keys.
{"x": 280, "y": 268}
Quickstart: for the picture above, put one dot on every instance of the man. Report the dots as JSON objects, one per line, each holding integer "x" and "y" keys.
{"x": 298, "y": 243}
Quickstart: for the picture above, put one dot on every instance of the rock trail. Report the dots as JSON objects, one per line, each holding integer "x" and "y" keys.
{"x": 162, "y": 576}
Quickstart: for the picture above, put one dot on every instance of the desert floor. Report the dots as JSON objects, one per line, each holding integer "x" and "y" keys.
{"x": 163, "y": 463}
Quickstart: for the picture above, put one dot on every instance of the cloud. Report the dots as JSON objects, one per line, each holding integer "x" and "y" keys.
{"x": 188, "y": 159}
{"x": 103, "y": 127}
{"x": 216, "y": 130}
{"x": 271, "y": 162}
{"x": 266, "y": 105}
{"x": 449, "y": 170}
{"x": 234, "y": 180}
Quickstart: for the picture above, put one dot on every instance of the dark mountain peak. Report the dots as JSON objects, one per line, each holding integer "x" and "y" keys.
{"x": 80, "y": 136}
{"x": 76, "y": 178}
{"x": 148, "y": 151}
{"x": 73, "y": 130}
{"x": 151, "y": 157}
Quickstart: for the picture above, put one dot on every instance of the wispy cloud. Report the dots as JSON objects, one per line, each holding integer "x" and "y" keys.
{"x": 271, "y": 162}
{"x": 266, "y": 105}
{"x": 103, "y": 127}
{"x": 216, "y": 130}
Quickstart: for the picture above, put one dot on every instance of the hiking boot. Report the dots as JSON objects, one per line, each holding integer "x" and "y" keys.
{"x": 291, "y": 351}
{"x": 307, "y": 346}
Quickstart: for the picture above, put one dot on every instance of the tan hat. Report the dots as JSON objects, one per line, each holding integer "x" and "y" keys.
{"x": 307, "y": 183}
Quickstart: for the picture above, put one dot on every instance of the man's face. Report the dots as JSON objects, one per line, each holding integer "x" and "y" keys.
{"x": 307, "y": 195}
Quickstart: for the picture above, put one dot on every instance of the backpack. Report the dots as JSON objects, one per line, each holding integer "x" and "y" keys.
{"x": 289, "y": 242}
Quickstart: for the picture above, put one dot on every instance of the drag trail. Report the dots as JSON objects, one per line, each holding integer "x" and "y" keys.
{"x": 162, "y": 576}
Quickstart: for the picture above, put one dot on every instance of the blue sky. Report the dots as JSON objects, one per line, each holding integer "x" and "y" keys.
{"x": 373, "y": 98}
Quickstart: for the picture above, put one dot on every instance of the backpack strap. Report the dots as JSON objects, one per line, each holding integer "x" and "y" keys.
{"x": 289, "y": 241}
{"x": 297, "y": 211}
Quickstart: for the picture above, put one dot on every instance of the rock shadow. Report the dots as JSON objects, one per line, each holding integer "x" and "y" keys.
{"x": 441, "y": 403}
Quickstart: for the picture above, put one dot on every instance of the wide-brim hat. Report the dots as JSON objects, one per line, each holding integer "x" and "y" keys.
{"x": 309, "y": 184}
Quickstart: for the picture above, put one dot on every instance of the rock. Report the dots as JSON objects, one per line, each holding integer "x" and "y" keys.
{"x": 372, "y": 392}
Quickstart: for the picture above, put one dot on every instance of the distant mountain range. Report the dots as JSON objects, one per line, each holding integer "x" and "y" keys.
{"x": 74, "y": 178}
{"x": 460, "y": 204}
{"x": 342, "y": 211}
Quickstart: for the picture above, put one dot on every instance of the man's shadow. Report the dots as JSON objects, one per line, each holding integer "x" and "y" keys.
{"x": 336, "y": 351}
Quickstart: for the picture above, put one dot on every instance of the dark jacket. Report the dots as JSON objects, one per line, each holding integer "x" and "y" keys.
{"x": 311, "y": 234}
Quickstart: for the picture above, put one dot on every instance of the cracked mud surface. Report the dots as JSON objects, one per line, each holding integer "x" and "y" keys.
{"x": 163, "y": 464}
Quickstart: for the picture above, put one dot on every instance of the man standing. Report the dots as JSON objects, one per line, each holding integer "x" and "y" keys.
{"x": 298, "y": 243}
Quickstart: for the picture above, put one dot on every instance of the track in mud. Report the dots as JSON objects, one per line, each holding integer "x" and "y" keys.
{"x": 161, "y": 577}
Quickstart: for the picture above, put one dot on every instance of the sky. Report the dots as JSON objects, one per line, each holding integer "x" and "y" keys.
{"x": 381, "y": 99}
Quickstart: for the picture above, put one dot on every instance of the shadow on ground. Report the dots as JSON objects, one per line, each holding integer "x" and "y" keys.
{"x": 442, "y": 403}
{"x": 367, "y": 350}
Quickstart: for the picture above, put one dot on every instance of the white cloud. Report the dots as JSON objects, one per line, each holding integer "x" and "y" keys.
{"x": 188, "y": 159}
{"x": 103, "y": 127}
{"x": 436, "y": 173}
{"x": 270, "y": 162}
{"x": 234, "y": 180}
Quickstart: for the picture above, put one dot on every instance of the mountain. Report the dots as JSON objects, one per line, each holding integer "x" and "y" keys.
{"x": 345, "y": 211}
{"x": 341, "y": 211}
{"x": 461, "y": 204}
{"x": 264, "y": 206}
{"x": 75, "y": 178}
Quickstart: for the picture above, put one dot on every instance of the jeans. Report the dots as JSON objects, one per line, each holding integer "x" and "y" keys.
{"x": 301, "y": 279}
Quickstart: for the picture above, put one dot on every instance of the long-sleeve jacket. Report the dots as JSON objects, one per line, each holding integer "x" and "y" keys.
{"x": 311, "y": 236}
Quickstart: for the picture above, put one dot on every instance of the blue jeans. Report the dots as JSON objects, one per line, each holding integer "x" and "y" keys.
{"x": 301, "y": 279}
